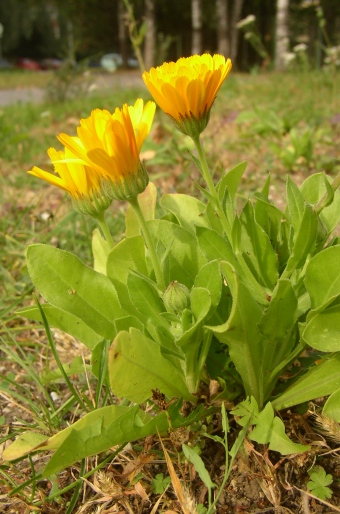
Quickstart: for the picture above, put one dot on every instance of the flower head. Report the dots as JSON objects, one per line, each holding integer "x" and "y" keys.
{"x": 80, "y": 180}
{"x": 111, "y": 143}
{"x": 186, "y": 89}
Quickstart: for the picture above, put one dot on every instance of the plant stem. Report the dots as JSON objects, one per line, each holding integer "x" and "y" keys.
{"x": 208, "y": 179}
{"x": 149, "y": 242}
{"x": 105, "y": 229}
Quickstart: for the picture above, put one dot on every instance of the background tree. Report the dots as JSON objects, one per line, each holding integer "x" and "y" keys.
{"x": 196, "y": 13}
{"x": 150, "y": 34}
{"x": 282, "y": 37}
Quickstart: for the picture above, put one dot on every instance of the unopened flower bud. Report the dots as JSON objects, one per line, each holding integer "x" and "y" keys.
{"x": 176, "y": 297}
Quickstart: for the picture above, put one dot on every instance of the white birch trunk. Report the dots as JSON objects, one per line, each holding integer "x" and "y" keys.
{"x": 222, "y": 17}
{"x": 196, "y": 22}
{"x": 150, "y": 35}
{"x": 234, "y": 32}
{"x": 281, "y": 33}
{"x": 122, "y": 33}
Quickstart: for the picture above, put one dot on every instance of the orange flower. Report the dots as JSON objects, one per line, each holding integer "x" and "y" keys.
{"x": 186, "y": 89}
{"x": 111, "y": 144}
{"x": 76, "y": 177}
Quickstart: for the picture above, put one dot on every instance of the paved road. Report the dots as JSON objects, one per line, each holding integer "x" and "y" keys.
{"x": 100, "y": 81}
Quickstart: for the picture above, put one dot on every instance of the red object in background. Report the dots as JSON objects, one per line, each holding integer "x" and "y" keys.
{"x": 28, "y": 64}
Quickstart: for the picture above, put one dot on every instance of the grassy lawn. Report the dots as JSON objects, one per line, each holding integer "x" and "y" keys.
{"x": 279, "y": 123}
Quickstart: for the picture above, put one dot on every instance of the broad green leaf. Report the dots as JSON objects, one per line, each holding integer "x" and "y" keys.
{"x": 200, "y": 301}
{"x": 126, "y": 257}
{"x": 144, "y": 297}
{"x": 213, "y": 219}
{"x": 178, "y": 252}
{"x": 99, "y": 431}
{"x": 241, "y": 333}
{"x": 231, "y": 181}
{"x": 275, "y": 224}
{"x": 332, "y": 406}
{"x": 210, "y": 278}
{"x": 304, "y": 239}
{"x": 257, "y": 249}
{"x": 321, "y": 380}
{"x": 189, "y": 211}
{"x": 323, "y": 330}
{"x": 270, "y": 429}
{"x": 323, "y": 276}
{"x": 295, "y": 203}
{"x": 65, "y": 282}
{"x": 136, "y": 366}
{"x": 147, "y": 201}
{"x": 24, "y": 444}
{"x": 214, "y": 246}
{"x": 199, "y": 466}
{"x": 100, "y": 250}
{"x": 277, "y": 323}
{"x": 57, "y": 318}
{"x": 313, "y": 189}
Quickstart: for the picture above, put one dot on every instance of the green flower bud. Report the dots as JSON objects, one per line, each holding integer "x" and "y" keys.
{"x": 176, "y": 297}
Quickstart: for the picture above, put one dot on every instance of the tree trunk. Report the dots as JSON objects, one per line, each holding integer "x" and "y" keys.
{"x": 222, "y": 19}
{"x": 234, "y": 32}
{"x": 150, "y": 35}
{"x": 122, "y": 33}
{"x": 281, "y": 33}
{"x": 196, "y": 17}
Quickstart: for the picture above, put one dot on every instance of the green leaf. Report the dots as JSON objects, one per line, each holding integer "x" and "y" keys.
{"x": 65, "y": 282}
{"x": 57, "y": 318}
{"x": 127, "y": 256}
{"x": 133, "y": 353}
{"x": 268, "y": 428}
{"x": 257, "y": 249}
{"x": 188, "y": 210}
{"x": 100, "y": 250}
{"x": 276, "y": 324}
{"x": 99, "y": 431}
{"x": 321, "y": 380}
{"x": 24, "y": 444}
{"x": 322, "y": 332}
{"x": 313, "y": 189}
{"x": 214, "y": 246}
{"x": 209, "y": 277}
{"x": 178, "y": 252}
{"x": 147, "y": 202}
{"x": 295, "y": 204}
{"x": 199, "y": 466}
{"x": 331, "y": 408}
{"x": 318, "y": 483}
{"x": 231, "y": 180}
{"x": 304, "y": 240}
{"x": 241, "y": 333}
{"x": 323, "y": 276}
{"x": 144, "y": 297}
{"x": 159, "y": 483}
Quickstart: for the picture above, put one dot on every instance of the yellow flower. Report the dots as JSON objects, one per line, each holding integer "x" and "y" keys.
{"x": 111, "y": 144}
{"x": 186, "y": 89}
{"x": 77, "y": 178}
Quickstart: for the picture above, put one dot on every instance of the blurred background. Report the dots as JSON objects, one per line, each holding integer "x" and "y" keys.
{"x": 41, "y": 34}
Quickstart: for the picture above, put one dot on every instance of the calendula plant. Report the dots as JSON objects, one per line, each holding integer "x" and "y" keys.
{"x": 206, "y": 282}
